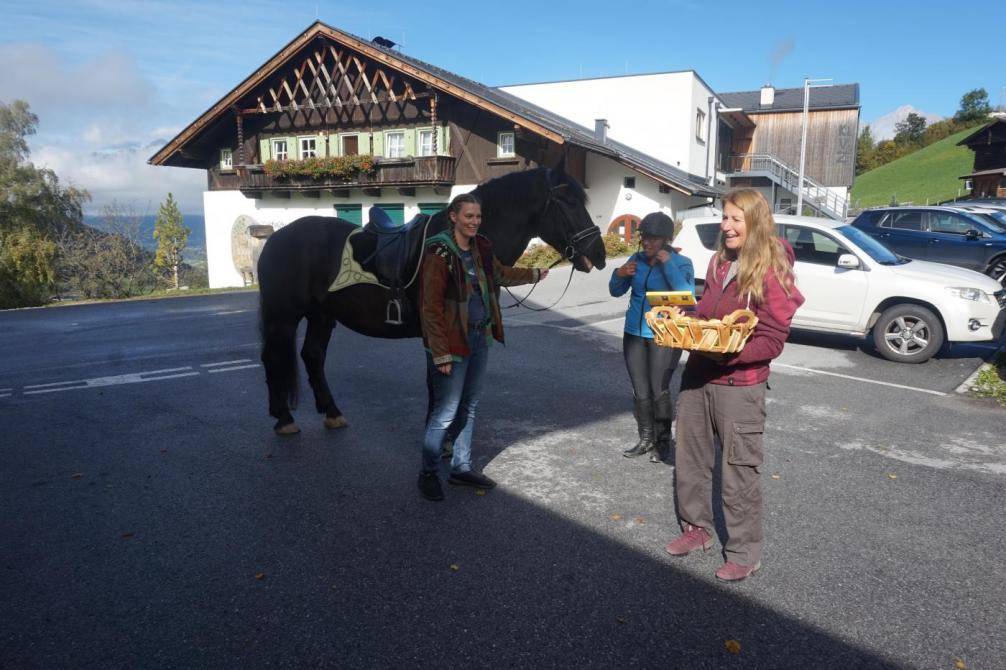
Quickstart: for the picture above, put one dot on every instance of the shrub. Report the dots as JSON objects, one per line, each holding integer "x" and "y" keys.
{"x": 991, "y": 382}
{"x": 337, "y": 167}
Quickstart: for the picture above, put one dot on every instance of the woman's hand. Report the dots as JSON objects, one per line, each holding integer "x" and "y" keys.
{"x": 542, "y": 273}
{"x": 626, "y": 270}
{"x": 664, "y": 255}
{"x": 445, "y": 369}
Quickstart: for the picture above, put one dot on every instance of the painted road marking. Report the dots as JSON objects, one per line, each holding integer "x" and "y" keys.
{"x": 216, "y": 365}
{"x": 239, "y": 367}
{"x": 134, "y": 378}
{"x": 233, "y": 311}
{"x": 858, "y": 379}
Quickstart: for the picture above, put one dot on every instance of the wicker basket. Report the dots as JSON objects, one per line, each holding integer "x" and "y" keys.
{"x": 684, "y": 332}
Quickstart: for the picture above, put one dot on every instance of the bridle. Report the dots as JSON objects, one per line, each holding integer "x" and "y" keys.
{"x": 568, "y": 252}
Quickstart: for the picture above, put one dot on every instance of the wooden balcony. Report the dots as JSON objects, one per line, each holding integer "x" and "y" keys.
{"x": 403, "y": 174}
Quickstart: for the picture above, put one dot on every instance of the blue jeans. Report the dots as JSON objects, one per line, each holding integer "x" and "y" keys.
{"x": 455, "y": 393}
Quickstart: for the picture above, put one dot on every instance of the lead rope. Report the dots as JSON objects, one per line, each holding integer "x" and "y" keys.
{"x": 520, "y": 301}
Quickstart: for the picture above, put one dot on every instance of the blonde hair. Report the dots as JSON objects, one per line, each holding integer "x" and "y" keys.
{"x": 762, "y": 252}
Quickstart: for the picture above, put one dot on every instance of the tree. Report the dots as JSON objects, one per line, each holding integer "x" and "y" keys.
{"x": 172, "y": 235}
{"x": 974, "y": 106}
{"x": 908, "y": 132}
{"x": 34, "y": 210}
{"x": 864, "y": 151}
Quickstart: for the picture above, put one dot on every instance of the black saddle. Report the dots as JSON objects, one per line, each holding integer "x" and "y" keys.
{"x": 395, "y": 257}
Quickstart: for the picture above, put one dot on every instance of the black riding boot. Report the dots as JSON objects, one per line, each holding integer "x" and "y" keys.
{"x": 644, "y": 421}
{"x": 663, "y": 412}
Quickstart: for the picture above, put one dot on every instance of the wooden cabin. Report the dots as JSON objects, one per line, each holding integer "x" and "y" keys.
{"x": 988, "y": 179}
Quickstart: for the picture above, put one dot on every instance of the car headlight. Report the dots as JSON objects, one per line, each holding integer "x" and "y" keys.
{"x": 967, "y": 293}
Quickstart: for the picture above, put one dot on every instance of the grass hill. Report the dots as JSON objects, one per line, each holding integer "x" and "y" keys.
{"x": 928, "y": 175}
{"x": 195, "y": 250}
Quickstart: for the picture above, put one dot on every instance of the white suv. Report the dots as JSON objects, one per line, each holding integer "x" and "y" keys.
{"x": 854, "y": 285}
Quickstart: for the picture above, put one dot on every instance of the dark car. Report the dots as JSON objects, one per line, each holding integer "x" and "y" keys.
{"x": 941, "y": 234}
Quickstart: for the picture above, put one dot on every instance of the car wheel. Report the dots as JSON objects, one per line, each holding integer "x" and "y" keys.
{"x": 908, "y": 334}
{"x": 997, "y": 270}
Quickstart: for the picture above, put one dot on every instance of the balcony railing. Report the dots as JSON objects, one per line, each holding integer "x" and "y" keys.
{"x": 391, "y": 172}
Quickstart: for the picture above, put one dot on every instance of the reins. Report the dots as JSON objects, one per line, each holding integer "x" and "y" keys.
{"x": 568, "y": 253}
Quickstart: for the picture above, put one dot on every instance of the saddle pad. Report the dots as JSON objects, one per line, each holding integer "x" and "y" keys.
{"x": 351, "y": 272}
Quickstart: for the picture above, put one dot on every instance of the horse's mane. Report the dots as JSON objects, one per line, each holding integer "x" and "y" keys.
{"x": 525, "y": 180}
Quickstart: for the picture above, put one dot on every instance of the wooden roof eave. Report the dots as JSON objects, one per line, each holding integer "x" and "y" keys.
{"x": 298, "y": 43}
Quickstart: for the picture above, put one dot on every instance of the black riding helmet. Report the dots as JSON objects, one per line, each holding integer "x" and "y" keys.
{"x": 657, "y": 224}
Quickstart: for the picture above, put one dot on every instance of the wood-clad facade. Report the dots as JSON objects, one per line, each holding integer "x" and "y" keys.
{"x": 989, "y": 144}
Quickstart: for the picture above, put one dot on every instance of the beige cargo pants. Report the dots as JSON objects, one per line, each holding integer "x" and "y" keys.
{"x": 735, "y": 415}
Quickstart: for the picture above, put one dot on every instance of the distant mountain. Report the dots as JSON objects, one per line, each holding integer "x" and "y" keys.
{"x": 883, "y": 128}
{"x": 195, "y": 250}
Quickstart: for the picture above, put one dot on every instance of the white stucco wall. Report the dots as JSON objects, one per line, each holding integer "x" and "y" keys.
{"x": 653, "y": 113}
{"x": 221, "y": 208}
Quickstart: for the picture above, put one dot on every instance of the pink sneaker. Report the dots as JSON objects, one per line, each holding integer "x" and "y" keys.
{"x": 735, "y": 572}
{"x": 691, "y": 539}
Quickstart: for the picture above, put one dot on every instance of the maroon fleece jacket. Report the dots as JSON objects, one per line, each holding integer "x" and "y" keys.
{"x": 775, "y": 313}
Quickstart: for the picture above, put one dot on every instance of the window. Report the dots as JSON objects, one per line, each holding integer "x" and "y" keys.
{"x": 811, "y": 246}
{"x": 700, "y": 126}
{"x": 350, "y": 145}
{"x": 226, "y": 159}
{"x": 910, "y": 220}
{"x": 629, "y": 182}
{"x": 948, "y": 222}
{"x": 505, "y": 145}
{"x": 709, "y": 234}
{"x": 394, "y": 144}
{"x": 308, "y": 147}
{"x": 425, "y": 142}
{"x": 279, "y": 150}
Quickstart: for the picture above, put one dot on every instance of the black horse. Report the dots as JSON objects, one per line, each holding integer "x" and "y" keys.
{"x": 300, "y": 261}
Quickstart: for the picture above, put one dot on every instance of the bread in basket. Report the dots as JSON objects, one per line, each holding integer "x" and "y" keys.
{"x": 673, "y": 329}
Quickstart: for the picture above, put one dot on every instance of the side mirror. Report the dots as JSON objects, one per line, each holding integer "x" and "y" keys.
{"x": 972, "y": 234}
{"x": 848, "y": 261}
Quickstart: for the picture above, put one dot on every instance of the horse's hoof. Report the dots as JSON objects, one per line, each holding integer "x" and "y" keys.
{"x": 288, "y": 429}
{"x": 335, "y": 422}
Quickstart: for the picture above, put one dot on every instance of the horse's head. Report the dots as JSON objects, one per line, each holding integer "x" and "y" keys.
{"x": 565, "y": 223}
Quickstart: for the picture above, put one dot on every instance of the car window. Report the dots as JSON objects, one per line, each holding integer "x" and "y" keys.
{"x": 871, "y": 218}
{"x": 948, "y": 222}
{"x": 909, "y": 220}
{"x": 996, "y": 219}
{"x": 812, "y": 246}
{"x": 874, "y": 249}
{"x": 709, "y": 234}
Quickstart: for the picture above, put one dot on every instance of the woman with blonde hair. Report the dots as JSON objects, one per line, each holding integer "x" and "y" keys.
{"x": 724, "y": 395}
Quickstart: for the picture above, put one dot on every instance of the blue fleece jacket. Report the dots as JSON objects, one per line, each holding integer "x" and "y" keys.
{"x": 677, "y": 274}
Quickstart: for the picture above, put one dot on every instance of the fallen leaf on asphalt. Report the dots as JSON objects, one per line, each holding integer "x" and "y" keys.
{"x": 960, "y": 665}
{"x": 76, "y": 475}
{"x": 260, "y": 576}
{"x": 619, "y": 619}
{"x": 733, "y": 646}
{"x": 891, "y": 475}
{"x": 639, "y": 520}
{"x": 480, "y": 492}
{"x": 126, "y": 536}
{"x": 776, "y": 475}
{"x": 455, "y": 567}
{"x": 616, "y": 517}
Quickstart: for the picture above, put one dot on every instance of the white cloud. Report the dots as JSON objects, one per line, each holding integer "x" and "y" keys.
{"x": 124, "y": 176}
{"x": 883, "y": 128}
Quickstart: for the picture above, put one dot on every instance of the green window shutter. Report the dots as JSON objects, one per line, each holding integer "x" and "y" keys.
{"x": 431, "y": 208}
{"x": 410, "y": 142}
{"x": 265, "y": 151}
{"x": 378, "y": 144}
{"x": 351, "y": 213}
{"x": 443, "y": 149}
{"x": 321, "y": 144}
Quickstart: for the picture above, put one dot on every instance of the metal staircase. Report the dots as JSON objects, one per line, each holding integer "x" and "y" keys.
{"x": 819, "y": 198}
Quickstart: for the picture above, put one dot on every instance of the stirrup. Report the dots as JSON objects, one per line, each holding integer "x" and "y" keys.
{"x": 393, "y": 313}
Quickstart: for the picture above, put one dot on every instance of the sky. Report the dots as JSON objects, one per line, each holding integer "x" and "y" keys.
{"x": 112, "y": 80}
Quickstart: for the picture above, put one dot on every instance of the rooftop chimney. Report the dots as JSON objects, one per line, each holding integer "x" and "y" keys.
{"x": 767, "y": 95}
{"x": 601, "y": 130}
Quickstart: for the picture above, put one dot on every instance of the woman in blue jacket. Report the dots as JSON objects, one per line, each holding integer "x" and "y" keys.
{"x": 657, "y": 267}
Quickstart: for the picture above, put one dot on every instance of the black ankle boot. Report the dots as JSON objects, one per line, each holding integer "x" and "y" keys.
{"x": 662, "y": 413}
{"x": 644, "y": 423}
